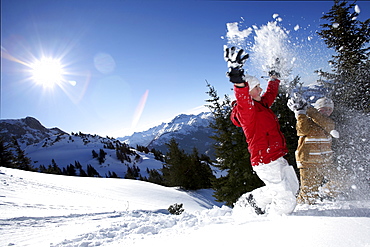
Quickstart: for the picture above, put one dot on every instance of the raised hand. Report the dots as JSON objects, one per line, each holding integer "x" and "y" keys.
{"x": 235, "y": 62}
{"x": 297, "y": 104}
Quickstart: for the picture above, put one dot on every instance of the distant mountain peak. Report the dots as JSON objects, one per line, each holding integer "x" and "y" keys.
{"x": 27, "y": 131}
{"x": 34, "y": 123}
{"x": 188, "y": 130}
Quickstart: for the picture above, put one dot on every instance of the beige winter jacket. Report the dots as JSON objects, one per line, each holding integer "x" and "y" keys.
{"x": 314, "y": 144}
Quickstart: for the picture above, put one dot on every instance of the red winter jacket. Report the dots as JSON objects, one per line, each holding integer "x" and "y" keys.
{"x": 261, "y": 128}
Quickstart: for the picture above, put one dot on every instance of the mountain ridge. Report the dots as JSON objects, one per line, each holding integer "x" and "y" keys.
{"x": 51, "y": 146}
{"x": 188, "y": 130}
{"x": 26, "y": 131}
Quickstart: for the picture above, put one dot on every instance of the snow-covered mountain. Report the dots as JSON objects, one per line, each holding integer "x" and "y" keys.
{"x": 49, "y": 147}
{"x": 68, "y": 149}
{"x": 188, "y": 130}
{"x": 27, "y": 131}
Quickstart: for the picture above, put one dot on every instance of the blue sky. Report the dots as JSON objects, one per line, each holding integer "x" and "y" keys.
{"x": 130, "y": 65}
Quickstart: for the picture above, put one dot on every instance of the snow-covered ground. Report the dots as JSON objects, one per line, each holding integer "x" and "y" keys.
{"x": 53, "y": 210}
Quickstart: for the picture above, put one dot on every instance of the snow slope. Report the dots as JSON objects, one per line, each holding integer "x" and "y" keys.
{"x": 53, "y": 210}
{"x": 66, "y": 149}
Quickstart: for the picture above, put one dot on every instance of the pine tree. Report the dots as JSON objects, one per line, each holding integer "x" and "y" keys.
{"x": 14, "y": 156}
{"x": 54, "y": 168}
{"x": 143, "y": 149}
{"x": 101, "y": 157}
{"x": 158, "y": 155}
{"x": 231, "y": 152}
{"x": 95, "y": 154}
{"x": 198, "y": 174}
{"x": 91, "y": 172}
{"x": 189, "y": 172}
{"x": 6, "y": 156}
{"x": 82, "y": 172}
{"x": 112, "y": 175}
{"x": 71, "y": 170}
{"x": 77, "y": 165}
{"x": 123, "y": 152}
{"x": 203, "y": 174}
{"x": 42, "y": 169}
{"x": 349, "y": 38}
{"x": 174, "y": 170}
{"x": 154, "y": 176}
{"x": 132, "y": 172}
{"x": 350, "y": 74}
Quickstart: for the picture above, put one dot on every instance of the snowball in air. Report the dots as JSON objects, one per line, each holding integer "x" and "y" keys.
{"x": 357, "y": 9}
{"x": 234, "y": 34}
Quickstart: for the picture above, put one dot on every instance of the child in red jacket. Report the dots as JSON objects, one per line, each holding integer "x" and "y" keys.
{"x": 266, "y": 143}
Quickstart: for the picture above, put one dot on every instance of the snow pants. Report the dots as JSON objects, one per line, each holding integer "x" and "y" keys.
{"x": 318, "y": 181}
{"x": 278, "y": 196}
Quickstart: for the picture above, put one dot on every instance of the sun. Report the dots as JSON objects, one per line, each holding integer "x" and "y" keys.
{"x": 47, "y": 72}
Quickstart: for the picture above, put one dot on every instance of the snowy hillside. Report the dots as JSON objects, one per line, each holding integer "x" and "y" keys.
{"x": 50, "y": 147}
{"x": 54, "y": 210}
{"x": 67, "y": 149}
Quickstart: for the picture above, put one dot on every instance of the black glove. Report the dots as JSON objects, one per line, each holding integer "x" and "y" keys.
{"x": 274, "y": 68}
{"x": 235, "y": 62}
{"x": 274, "y": 73}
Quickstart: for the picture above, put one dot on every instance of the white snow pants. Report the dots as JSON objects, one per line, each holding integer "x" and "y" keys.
{"x": 278, "y": 196}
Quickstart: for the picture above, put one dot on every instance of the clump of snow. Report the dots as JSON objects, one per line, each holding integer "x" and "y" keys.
{"x": 236, "y": 37}
{"x": 271, "y": 42}
{"x": 335, "y": 25}
{"x": 357, "y": 9}
{"x": 277, "y": 18}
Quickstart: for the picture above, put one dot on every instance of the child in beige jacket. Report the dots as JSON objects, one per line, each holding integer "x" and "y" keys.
{"x": 314, "y": 155}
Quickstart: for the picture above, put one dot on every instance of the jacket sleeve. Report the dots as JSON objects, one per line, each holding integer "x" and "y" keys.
{"x": 271, "y": 92}
{"x": 304, "y": 125}
{"x": 243, "y": 98}
{"x": 245, "y": 106}
{"x": 324, "y": 122}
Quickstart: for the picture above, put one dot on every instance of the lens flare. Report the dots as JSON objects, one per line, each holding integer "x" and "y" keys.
{"x": 139, "y": 109}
